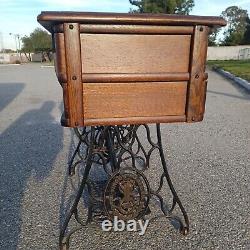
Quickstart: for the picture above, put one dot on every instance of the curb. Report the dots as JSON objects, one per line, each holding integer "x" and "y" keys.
{"x": 9, "y": 64}
{"x": 47, "y": 66}
{"x": 243, "y": 83}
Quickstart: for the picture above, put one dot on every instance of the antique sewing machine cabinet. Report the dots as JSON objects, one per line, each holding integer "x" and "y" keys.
{"x": 118, "y": 71}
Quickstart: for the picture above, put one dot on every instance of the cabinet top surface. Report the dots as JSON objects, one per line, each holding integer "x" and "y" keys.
{"x": 50, "y": 18}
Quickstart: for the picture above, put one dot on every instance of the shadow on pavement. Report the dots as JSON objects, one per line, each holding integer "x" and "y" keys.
{"x": 71, "y": 184}
{"x": 8, "y": 92}
{"x": 28, "y": 148}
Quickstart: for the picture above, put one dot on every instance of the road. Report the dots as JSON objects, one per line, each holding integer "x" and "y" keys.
{"x": 209, "y": 163}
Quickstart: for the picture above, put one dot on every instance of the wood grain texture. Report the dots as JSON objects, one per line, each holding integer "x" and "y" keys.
{"x": 50, "y": 18}
{"x": 154, "y": 77}
{"x": 135, "y": 29}
{"x": 143, "y": 99}
{"x": 60, "y": 58}
{"x": 106, "y": 53}
{"x": 61, "y": 73}
{"x": 135, "y": 120}
{"x": 129, "y": 29}
{"x": 197, "y": 85}
{"x": 74, "y": 74}
{"x": 130, "y": 68}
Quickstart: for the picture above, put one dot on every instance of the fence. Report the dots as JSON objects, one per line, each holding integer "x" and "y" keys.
{"x": 228, "y": 52}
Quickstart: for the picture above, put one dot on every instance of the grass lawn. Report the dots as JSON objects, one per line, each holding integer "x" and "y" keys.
{"x": 240, "y": 68}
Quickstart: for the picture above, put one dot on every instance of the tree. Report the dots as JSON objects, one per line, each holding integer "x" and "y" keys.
{"x": 41, "y": 40}
{"x": 236, "y": 19}
{"x": 213, "y": 36}
{"x": 38, "y": 41}
{"x": 246, "y": 39}
{"x": 163, "y": 6}
{"x": 27, "y": 47}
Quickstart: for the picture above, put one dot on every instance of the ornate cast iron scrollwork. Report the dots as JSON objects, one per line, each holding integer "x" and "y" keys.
{"x": 126, "y": 195}
{"x": 125, "y": 191}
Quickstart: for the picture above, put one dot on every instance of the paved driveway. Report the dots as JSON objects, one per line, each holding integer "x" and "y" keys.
{"x": 209, "y": 163}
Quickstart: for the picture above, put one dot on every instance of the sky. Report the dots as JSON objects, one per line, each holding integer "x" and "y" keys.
{"x": 19, "y": 16}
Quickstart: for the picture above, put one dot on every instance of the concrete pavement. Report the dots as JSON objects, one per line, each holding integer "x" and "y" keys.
{"x": 209, "y": 163}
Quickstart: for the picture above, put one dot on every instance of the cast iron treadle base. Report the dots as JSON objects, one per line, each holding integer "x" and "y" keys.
{"x": 126, "y": 192}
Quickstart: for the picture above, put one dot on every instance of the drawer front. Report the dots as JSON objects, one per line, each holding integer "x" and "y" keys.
{"x": 130, "y": 100}
{"x": 126, "y": 53}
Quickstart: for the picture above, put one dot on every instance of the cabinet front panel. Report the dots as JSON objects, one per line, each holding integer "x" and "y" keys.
{"x": 126, "y": 53}
{"x": 140, "y": 99}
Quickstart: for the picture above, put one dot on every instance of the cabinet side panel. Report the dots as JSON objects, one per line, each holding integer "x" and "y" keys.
{"x": 59, "y": 57}
{"x": 61, "y": 73}
{"x": 74, "y": 73}
{"x": 197, "y": 85}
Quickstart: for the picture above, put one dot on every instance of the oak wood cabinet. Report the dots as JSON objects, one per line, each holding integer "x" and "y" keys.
{"x": 130, "y": 68}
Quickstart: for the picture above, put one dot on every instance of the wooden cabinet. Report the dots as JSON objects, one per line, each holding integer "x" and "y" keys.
{"x": 130, "y": 68}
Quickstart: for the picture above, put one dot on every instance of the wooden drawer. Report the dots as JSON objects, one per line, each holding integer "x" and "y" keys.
{"x": 130, "y": 68}
{"x": 134, "y": 102}
{"x": 126, "y": 53}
